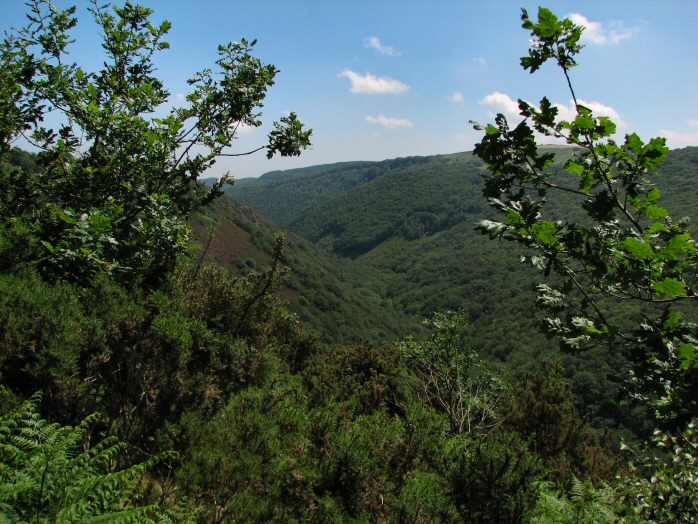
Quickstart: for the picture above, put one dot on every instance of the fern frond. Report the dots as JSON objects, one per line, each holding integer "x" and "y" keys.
{"x": 45, "y": 475}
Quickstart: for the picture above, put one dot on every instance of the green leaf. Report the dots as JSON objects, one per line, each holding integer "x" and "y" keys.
{"x": 575, "y": 167}
{"x": 670, "y": 288}
{"x": 672, "y": 320}
{"x": 585, "y": 324}
{"x": 491, "y": 130}
{"x": 655, "y": 152}
{"x": 584, "y": 122}
{"x": 548, "y": 25}
{"x": 656, "y": 212}
{"x": 514, "y": 218}
{"x": 658, "y": 228}
{"x": 678, "y": 245}
{"x": 634, "y": 143}
{"x": 687, "y": 355}
{"x": 491, "y": 228}
{"x": 653, "y": 195}
{"x": 638, "y": 249}
{"x": 545, "y": 232}
{"x": 606, "y": 126}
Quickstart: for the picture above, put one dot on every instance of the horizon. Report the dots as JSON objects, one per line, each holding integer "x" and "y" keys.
{"x": 323, "y": 164}
{"x": 373, "y": 89}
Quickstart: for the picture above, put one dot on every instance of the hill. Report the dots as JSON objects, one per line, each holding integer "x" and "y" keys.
{"x": 408, "y": 224}
{"x": 287, "y": 195}
{"x": 413, "y": 220}
{"x": 339, "y": 299}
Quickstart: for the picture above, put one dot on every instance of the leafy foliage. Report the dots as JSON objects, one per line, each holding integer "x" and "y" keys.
{"x": 453, "y": 378}
{"x": 116, "y": 180}
{"x": 48, "y": 474}
{"x": 626, "y": 247}
{"x": 493, "y": 480}
{"x": 287, "y": 196}
{"x": 583, "y": 503}
{"x": 142, "y": 359}
{"x": 542, "y": 408}
{"x": 670, "y": 494}
{"x": 425, "y": 257}
{"x": 271, "y": 424}
{"x": 340, "y": 299}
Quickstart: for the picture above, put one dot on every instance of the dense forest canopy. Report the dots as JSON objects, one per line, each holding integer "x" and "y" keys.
{"x": 144, "y": 380}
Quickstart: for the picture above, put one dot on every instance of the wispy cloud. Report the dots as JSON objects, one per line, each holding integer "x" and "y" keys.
{"x": 388, "y": 121}
{"x": 597, "y": 33}
{"x": 478, "y": 60}
{"x": 244, "y": 129}
{"x": 370, "y": 84}
{"x": 373, "y": 42}
{"x": 456, "y": 97}
{"x": 678, "y": 139}
{"x": 681, "y": 139}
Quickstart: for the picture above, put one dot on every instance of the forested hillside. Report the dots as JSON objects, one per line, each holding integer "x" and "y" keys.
{"x": 287, "y": 195}
{"x": 342, "y": 300}
{"x": 415, "y": 224}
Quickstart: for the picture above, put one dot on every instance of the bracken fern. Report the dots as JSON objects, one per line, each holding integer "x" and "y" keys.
{"x": 48, "y": 473}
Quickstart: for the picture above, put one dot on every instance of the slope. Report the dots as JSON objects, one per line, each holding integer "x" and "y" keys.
{"x": 286, "y": 195}
{"x": 333, "y": 296}
{"x": 415, "y": 224}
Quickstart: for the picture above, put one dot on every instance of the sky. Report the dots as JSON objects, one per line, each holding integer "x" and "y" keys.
{"x": 379, "y": 79}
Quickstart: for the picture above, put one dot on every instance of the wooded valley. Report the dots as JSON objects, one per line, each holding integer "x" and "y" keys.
{"x": 503, "y": 335}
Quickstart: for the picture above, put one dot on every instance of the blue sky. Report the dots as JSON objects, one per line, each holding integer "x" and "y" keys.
{"x": 379, "y": 79}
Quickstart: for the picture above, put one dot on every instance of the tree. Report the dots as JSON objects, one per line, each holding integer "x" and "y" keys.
{"x": 617, "y": 248}
{"x": 118, "y": 170}
{"x": 453, "y": 378}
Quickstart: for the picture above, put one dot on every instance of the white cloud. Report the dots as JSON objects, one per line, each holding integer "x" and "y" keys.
{"x": 597, "y": 33}
{"x": 502, "y": 103}
{"x": 478, "y": 60}
{"x": 678, "y": 139}
{"x": 456, "y": 97}
{"x": 370, "y": 84}
{"x": 244, "y": 129}
{"x": 181, "y": 97}
{"x": 374, "y": 42}
{"x": 388, "y": 121}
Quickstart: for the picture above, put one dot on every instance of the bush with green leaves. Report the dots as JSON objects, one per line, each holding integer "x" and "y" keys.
{"x": 491, "y": 480}
{"x": 118, "y": 171}
{"x": 141, "y": 358}
{"x": 664, "y": 488}
{"x": 53, "y": 473}
{"x": 582, "y": 503}
{"x": 542, "y": 408}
